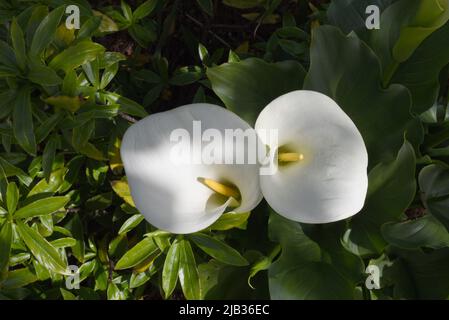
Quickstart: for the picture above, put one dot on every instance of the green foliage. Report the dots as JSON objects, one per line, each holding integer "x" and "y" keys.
{"x": 67, "y": 96}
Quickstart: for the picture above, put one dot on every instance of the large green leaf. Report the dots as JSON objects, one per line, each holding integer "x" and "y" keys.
{"x": 350, "y": 15}
{"x": 42, "y": 250}
{"x": 127, "y": 105}
{"x": 313, "y": 264}
{"x": 131, "y": 223}
{"x": 420, "y": 73}
{"x": 171, "y": 269}
{"x": 391, "y": 189}
{"x": 137, "y": 254}
{"x": 434, "y": 185}
{"x": 188, "y": 271}
{"x": 218, "y": 249}
{"x": 77, "y": 55}
{"x": 5, "y": 246}
{"x": 345, "y": 69}
{"x": 231, "y": 220}
{"x": 405, "y": 24}
{"x": 76, "y": 227}
{"x": 7, "y": 56}
{"x": 423, "y": 232}
{"x": 18, "y": 42}
{"x": 19, "y": 278}
{"x": 23, "y": 121}
{"x": 144, "y": 9}
{"x": 419, "y": 275}
{"x": 247, "y": 86}
{"x": 42, "y": 75}
{"x": 46, "y": 31}
{"x": 12, "y": 197}
{"x": 41, "y": 207}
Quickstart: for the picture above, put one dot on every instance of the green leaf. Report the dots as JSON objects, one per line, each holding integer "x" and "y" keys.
{"x": 231, "y": 220}
{"x": 87, "y": 269}
{"x": 67, "y": 295}
{"x": 122, "y": 189}
{"x": 46, "y": 31}
{"x": 77, "y": 55}
{"x": 137, "y": 254}
{"x": 53, "y": 184}
{"x": 39, "y": 13}
{"x": 71, "y": 104}
{"x": 170, "y": 269}
{"x": 434, "y": 186}
{"x": 218, "y": 250}
{"x": 118, "y": 246}
{"x": 49, "y": 156}
{"x": 82, "y": 134}
{"x": 246, "y": 87}
{"x": 19, "y": 278}
{"x": 423, "y": 232}
{"x": 391, "y": 189}
{"x": 42, "y": 75}
{"x": 350, "y": 15}
{"x": 126, "y": 9}
{"x": 90, "y": 26}
{"x": 148, "y": 76}
{"x": 145, "y": 9}
{"x": 42, "y": 250}
{"x": 5, "y": 246}
{"x": 143, "y": 36}
{"x": 108, "y": 74}
{"x": 345, "y": 69}
{"x": 48, "y": 125}
{"x": 63, "y": 242}
{"x": 406, "y": 24}
{"x": 42, "y": 207}
{"x": 185, "y": 76}
{"x": 23, "y": 121}
{"x": 76, "y": 227}
{"x": 92, "y": 71}
{"x": 131, "y": 223}
{"x": 263, "y": 263}
{"x": 12, "y": 197}
{"x": 207, "y": 6}
{"x": 419, "y": 275}
{"x": 188, "y": 271}
{"x": 243, "y": 4}
{"x": 203, "y": 53}
{"x": 18, "y": 42}
{"x": 13, "y": 171}
{"x": 92, "y": 152}
{"x": 7, "y": 56}
{"x": 421, "y": 74}
{"x": 114, "y": 292}
{"x": 139, "y": 279}
{"x": 6, "y": 103}
{"x": 313, "y": 264}
{"x": 127, "y": 105}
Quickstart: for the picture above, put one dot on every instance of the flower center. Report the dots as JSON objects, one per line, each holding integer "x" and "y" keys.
{"x": 290, "y": 157}
{"x": 228, "y": 190}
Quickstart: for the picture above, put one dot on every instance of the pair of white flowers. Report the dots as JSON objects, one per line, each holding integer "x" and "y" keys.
{"x": 322, "y": 177}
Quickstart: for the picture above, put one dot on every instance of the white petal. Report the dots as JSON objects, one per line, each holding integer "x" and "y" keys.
{"x": 167, "y": 193}
{"x": 330, "y": 184}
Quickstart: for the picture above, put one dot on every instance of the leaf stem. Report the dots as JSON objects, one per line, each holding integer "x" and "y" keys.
{"x": 389, "y": 73}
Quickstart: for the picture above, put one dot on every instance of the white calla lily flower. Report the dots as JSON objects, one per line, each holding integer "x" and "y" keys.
{"x": 185, "y": 196}
{"x": 322, "y": 158}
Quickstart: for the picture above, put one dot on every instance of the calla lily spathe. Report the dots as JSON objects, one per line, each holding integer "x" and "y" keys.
{"x": 322, "y": 173}
{"x": 182, "y": 197}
